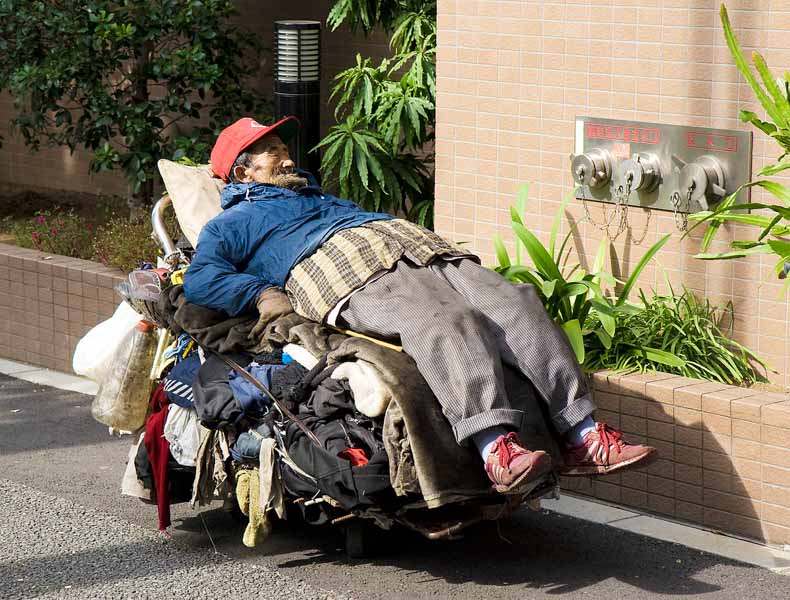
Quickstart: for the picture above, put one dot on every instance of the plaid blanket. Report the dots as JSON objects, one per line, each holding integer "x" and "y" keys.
{"x": 352, "y": 256}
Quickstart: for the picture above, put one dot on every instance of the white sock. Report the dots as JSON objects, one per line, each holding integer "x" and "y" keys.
{"x": 576, "y": 435}
{"x": 485, "y": 440}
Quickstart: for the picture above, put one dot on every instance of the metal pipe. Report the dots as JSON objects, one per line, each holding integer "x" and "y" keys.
{"x": 344, "y": 518}
{"x": 160, "y": 231}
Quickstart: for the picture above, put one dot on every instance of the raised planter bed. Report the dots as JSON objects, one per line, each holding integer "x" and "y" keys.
{"x": 725, "y": 451}
{"x": 47, "y": 302}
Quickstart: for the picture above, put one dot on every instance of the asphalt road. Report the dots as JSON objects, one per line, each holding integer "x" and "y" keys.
{"x": 66, "y": 532}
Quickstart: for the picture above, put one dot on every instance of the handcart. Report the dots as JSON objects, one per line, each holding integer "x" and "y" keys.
{"x": 352, "y": 508}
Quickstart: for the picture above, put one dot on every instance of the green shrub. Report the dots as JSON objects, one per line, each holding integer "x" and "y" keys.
{"x": 111, "y": 238}
{"x": 119, "y": 79}
{"x": 125, "y": 243}
{"x": 573, "y": 297}
{"x": 689, "y": 328}
{"x": 55, "y": 232}
{"x": 377, "y": 152}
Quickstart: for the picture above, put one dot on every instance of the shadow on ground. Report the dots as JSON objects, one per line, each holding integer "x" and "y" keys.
{"x": 533, "y": 550}
{"x": 53, "y": 445}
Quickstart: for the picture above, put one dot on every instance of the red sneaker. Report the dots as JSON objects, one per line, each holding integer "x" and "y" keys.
{"x": 510, "y": 466}
{"x": 603, "y": 451}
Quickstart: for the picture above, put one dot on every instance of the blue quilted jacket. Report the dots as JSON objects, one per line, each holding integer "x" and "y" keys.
{"x": 261, "y": 234}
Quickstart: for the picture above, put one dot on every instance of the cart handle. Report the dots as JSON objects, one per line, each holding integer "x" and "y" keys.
{"x": 172, "y": 254}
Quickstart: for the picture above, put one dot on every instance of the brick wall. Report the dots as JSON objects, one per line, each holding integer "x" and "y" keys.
{"x": 47, "y": 303}
{"x": 513, "y": 75}
{"x": 66, "y": 171}
{"x": 724, "y": 452}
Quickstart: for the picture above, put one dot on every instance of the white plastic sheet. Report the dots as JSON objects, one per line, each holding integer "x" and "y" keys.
{"x": 182, "y": 430}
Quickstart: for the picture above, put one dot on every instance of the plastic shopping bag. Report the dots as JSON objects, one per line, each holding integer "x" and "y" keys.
{"x": 94, "y": 352}
{"x": 122, "y": 399}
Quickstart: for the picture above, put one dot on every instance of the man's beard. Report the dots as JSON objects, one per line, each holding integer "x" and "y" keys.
{"x": 290, "y": 181}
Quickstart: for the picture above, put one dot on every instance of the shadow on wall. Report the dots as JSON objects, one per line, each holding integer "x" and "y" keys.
{"x": 709, "y": 469}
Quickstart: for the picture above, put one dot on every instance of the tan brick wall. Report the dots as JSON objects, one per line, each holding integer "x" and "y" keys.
{"x": 48, "y": 302}
{"x": 20, "y": 169}
{"x": 723, "y": 452}
{"x": 513, "y": 75}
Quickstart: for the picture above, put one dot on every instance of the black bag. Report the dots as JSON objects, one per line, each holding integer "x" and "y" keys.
{"x": 352, "y": 487}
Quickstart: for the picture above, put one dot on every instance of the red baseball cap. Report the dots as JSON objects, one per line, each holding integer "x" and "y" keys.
{"x": 234, "y": 139}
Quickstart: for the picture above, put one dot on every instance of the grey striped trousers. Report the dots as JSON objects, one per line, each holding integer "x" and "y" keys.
{"x": 460, "y": 321}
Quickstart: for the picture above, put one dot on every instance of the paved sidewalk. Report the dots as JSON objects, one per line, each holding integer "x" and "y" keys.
{"x": 54, "y": 548}
{"x": 69, "y": 526}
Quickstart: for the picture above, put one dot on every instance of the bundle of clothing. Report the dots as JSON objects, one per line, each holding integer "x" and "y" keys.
{"x": 377, "y": 436}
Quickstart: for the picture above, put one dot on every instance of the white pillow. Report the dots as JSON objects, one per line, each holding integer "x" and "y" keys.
{"x": 195, "y": 194}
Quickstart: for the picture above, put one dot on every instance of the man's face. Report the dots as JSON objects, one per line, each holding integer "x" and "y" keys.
{"x": 271, "y": 164}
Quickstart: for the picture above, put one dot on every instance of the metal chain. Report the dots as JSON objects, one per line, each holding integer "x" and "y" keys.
{"x": 607, "y": 217}
{"x": 641, "y": 239}
{"x": 622, "y": 205}
{"x": 604, "y": 226}
{"x": 620, "y": 195}
{"x": 681, "y": 218}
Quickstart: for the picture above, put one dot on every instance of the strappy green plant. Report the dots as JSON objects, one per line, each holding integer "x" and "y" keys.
{"x": 774, "y": 224}
{"x": 692, "y": 329}
{"x": 573, "y": 296}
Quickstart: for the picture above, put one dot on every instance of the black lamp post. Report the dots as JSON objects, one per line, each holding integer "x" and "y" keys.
{"x": 297, "y": 85}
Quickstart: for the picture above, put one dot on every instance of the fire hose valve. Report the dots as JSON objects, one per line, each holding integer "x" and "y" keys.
{"x": 703, "y": 181}
{"x": 593, "y": 168}
{"x": 643, "y": 170}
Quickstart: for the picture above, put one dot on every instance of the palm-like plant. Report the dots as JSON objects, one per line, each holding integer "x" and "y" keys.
{"x": 774, "y": 224}
{"x": 385, "y": 112}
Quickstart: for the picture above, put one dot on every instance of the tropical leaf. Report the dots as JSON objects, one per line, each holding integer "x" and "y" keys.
{"x": 766, "y": 127}
{"x": 548, "y": 288}
{"x": 780, "y": 248}
{"x": 778, "y": 190}
{"x": 743, "y": 67}
{"x": 571, "y": 290}
{"x": 542, "y": 260}
{"x": 573, "y": 331}
{"x": 758, "y": 249}
{"x": 779, "y": 98}
{"x": 501, "y": 251}
{"x": 557, "y": 222}
{"x": 774, "y": 168}
{"x": 661, "y": 356}
{"x": 604, "y": 337}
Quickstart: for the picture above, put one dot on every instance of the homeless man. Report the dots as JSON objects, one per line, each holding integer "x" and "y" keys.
{"x": 282, "y": 241}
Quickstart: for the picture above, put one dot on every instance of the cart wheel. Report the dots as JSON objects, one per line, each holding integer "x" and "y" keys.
{"x": 358, "y": 539}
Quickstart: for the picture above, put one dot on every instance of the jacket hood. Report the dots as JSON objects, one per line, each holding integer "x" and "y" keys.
{"x": 234, "y": 193}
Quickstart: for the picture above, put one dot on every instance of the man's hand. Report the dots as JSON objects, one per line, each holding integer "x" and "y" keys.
{"x": 272, "y": 303}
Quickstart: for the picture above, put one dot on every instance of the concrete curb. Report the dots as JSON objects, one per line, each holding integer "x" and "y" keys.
{"x": 767, "y": 557}
{"x": 56, "y": 379}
